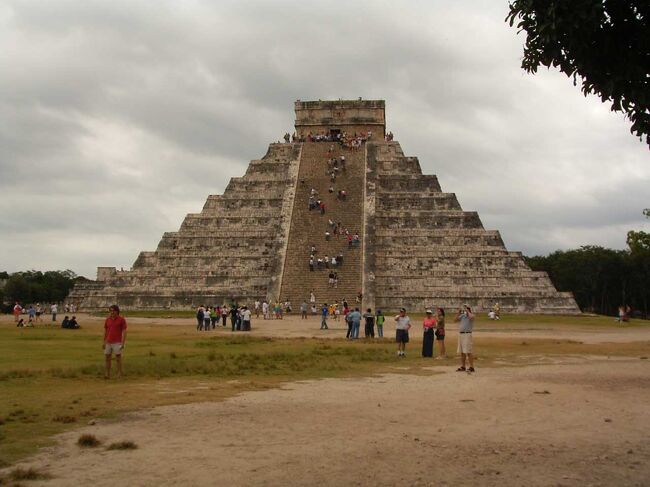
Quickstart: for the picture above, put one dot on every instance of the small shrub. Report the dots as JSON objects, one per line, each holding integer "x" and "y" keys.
{"x": 122, "y": 445}
{"x": 27, "y": 474}
{"x": 64, "y": 419}
{"x": 172, "y": 355}
{"x": 88, "y": 441}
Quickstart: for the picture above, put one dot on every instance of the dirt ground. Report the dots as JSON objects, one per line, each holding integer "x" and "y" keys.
{"x": 576, "y": 421}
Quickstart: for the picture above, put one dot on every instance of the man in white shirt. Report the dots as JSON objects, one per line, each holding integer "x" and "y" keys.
{"x": 402, "y": 327}
{"x": 465, "y": 347}
{"x": 246, "y": 319}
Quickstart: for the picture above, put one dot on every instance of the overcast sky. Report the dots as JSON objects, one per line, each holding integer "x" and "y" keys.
{"x": 119, "y": 117}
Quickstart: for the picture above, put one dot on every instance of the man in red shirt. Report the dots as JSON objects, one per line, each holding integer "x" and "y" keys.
{"x": 17, "y": 310}
{"x": 114, "y": 339}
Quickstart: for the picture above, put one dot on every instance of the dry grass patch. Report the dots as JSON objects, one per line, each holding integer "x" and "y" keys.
{"x": 122, "y": 445}
{"x": 64, "y": 419}
{"x": 88, "y": 441}
{"x": 31, "y": 473}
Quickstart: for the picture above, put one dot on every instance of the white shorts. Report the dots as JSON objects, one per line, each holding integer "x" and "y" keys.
{"x": 464, "y": 343}
{"x": 111, "y": 348}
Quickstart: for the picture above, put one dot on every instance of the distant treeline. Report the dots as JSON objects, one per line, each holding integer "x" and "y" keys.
{"x": 30, "y": 287}
{"x": 602, "y": 279}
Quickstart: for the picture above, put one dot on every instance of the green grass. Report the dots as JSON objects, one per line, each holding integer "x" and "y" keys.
{"x": 51, "y": 380}
{"x": 543, "y": 322}
{"x": 153, "y": 313}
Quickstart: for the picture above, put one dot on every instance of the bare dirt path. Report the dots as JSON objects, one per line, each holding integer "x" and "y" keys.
{"x": 581, "y": 423}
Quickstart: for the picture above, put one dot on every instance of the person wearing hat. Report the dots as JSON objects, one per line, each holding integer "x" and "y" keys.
{"x": 402, "y": 326}
{"x": 429, "y": 326}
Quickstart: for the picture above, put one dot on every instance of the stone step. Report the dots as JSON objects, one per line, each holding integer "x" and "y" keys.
{"x": 308, "y": 227}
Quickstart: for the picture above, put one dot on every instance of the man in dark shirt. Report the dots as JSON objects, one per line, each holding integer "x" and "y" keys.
{"x": 370, "y": 323}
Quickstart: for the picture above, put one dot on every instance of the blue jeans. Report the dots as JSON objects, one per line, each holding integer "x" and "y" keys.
{"x": 355, "y": 329}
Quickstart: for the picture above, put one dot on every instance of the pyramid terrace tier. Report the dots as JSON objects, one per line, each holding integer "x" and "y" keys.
{"x": 538, "y": 303}
{"x": 411, "y": 183}
{"x": 406, "y": 220}
{"x": 405, "y": 202}
{"x": 502, "y": 280}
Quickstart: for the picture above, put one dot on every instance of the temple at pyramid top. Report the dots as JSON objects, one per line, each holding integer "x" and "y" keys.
{"x": 332, "y": 117}
{"x": 339, "y": 214}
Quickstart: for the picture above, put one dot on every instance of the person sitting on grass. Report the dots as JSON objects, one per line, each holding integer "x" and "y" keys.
{"x": 72, "y": 324}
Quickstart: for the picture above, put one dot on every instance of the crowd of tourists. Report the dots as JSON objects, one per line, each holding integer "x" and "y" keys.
{"x": 336, "y": 166}
{"x": 342, "y": 138}
{"x": 34, "y": 314}
{"x": 350, "y": 141}
{"x": 433, "y": 328}
{"x": 208, "y": 317}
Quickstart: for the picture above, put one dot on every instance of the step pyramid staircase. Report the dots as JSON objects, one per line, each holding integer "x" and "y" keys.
{"x": 308, "y": 226}
{"x": 418, "y": 248}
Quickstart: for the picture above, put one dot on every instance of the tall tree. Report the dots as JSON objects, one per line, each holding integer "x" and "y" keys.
{"x": 606, "y": 43}
{"x": 36, "y": 286}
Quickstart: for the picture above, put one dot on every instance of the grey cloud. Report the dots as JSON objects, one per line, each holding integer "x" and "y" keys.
{"x": 121, "y": 117}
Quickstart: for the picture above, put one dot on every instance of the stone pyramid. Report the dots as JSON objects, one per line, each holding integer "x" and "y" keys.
{"x": 417, "y": 247}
